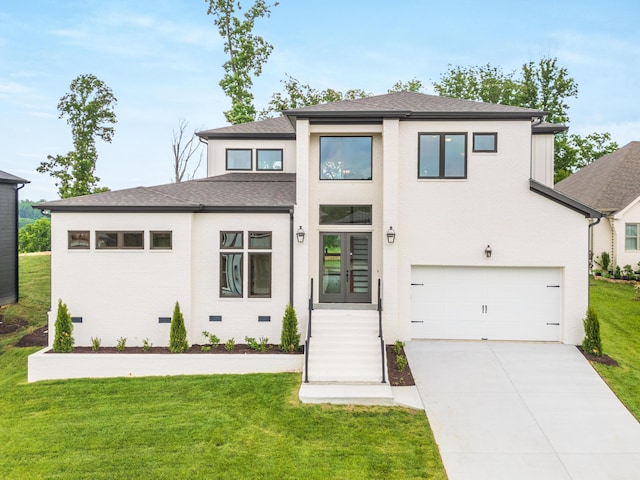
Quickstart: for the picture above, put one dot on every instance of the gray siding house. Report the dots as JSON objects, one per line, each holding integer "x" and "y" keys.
{"x": 9, "y": 186}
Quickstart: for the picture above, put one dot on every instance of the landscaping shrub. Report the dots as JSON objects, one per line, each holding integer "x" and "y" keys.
{"x": 178, "y": 335}
{"x": 63, "y": 341}
{"x": 605, "y": 261}
{"x": 290, "y": 339}
{"x": 592, "y": 343}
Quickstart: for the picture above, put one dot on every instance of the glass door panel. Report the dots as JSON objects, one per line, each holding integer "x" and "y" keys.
{"x": 345, "y": 267}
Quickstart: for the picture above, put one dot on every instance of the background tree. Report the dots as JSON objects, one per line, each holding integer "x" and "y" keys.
{"x": 89, "y": 110}
{"x": 26, "y": 213}
{"x": 183, "y": 150}
{"x": 545, "y": 86}
{"x": 247, "y": 53}
{"x": 413, "y": 85}
{"x": 35, "y": 237}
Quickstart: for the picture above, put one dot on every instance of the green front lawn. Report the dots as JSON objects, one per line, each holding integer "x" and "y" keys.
{"x": 219, "y": 426}
{"x": 619, "y": 315}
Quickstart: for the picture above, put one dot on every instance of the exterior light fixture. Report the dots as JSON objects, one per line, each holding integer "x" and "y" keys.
{"x": 391, "y": 235}
{"x": 300, "y": 234}
{"x": 488, "y": 251}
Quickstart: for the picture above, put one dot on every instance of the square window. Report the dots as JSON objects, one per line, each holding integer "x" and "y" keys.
{"x": 260, "y": 275}
{"x": 230, "y": 274}
{"x": 132, "y": 240}
{"x": 346, "y": 158}
{"x": 442, "y": 155}
{"x": 106, "y": 240}
{"x": 231, "y": 240}
{"x": 260, "y": 240}
{"x": 485, "y": 142}
{"x": 268, "y": 159}
{"x": 161, "y": 240}
{"x": 78, "y": 240}
{"x": 239, "y": 159}
{"x": 631, "y": 241}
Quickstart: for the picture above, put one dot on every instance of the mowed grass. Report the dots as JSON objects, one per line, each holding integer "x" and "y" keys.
{"x": 619, "y": 315}
{"x": 219, "y": 426}
{"x": 35, "y": 297}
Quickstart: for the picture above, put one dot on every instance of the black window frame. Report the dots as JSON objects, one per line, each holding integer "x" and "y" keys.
{"x": 442, "y": 156}
{"x": 224, "y": 277}
{"x": 258, "y": 150}
{"x": 260, "y": 232}
{"x": 70, "y": 245}
{"x": 120, "y": 239}
{"x": 250, "y": 256}
{"x": 153, "y": 233}
{"x": 353, "y": 208}
{"x": 485, "y": 134}
{"x": 233, "y": 247}
{"x": 370, "y": 137}
{"x": 226, "y": 159}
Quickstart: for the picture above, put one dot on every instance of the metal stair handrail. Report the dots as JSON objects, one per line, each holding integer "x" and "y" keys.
{"x": 307, "y": 340}
{"x": 382, "y": 352}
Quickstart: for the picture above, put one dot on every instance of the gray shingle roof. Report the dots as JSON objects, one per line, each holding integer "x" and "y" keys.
{"x": 8, "y": 178}
{"x": 396, "y": 105}
{"x": 610, "y": 183}
{"x": 229, "y": 192}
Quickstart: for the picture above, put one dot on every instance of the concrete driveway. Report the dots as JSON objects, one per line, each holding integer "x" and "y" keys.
{"x": 502, "y": 410}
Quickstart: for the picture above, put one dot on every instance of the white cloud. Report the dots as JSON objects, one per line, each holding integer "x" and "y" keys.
{"x": 12, "y": 88}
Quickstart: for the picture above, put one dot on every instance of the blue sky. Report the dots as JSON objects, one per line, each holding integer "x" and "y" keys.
{"x": 163, "y": 58}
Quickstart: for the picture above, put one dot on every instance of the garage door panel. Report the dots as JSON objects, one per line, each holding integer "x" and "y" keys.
{"x": 495, "y": 303}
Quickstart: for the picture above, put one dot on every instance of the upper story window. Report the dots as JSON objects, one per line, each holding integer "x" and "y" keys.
{"x": 345, "y": 214}
{"x": 442, "y": 155}
{"x": 346, "y": 158}
{"x": 485, "y": 142}
{"x": 631, "y": 236}
{"x": 268, "y": 159}
{"x": 239, "y": 159}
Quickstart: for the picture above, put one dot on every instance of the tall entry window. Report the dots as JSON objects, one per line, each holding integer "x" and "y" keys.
{"x": 346, "y": 158}
{"x": 442, "y": 155}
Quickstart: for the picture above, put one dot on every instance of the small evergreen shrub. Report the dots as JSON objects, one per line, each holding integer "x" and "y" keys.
{"x": 178, "y": 335}
{"x": 122, "y": 342}
{"x": 95, "y": 344}
{"x": 213, "y": 339}
{"x": 401, "y": 362}
{"x": 264, "y": 344}
{"x": 397, "y": 347}
{"x": 627, "y": 271}
{"x": 605, "y": 261}
{"x": 63, "y": 341}
{"x": 290, "y": 339}
{"x": 146, "y": 345}
{"x": 618, "y": 273}
{"x": 251, "y": 342}
{"x": 205, "y": 348}
{"x": 592, "y": 343}
{"x": 230, "y": 345}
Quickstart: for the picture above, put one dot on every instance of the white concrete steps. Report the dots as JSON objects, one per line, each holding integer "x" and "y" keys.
{"x": 345, "y": 359}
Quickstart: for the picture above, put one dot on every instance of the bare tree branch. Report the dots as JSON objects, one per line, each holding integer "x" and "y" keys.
{"x": 183, "y": 150}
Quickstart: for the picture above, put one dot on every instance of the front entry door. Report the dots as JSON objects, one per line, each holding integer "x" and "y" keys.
{"x": 345, "y": 267}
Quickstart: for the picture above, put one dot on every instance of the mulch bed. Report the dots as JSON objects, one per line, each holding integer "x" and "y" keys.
{"x": 398, "y": 378}
{"x": 604, "y": 359}
{"x": 239, "y": 348}
{"x": 37, "y": 338}
{"x": 12, "y": 325}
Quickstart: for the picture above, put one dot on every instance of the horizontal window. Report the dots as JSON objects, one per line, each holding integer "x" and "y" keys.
{"x": 161, "y": 240}
{"x": 239, "y": 159}
{"x": 485, "y": 142}
{"x": 78, "y": 239}
{"x": 346, "y": 158}
{"x": 230, "y": 239}
{"x": 260, "y": 275}
{"x": 268, "y": 159}
{"x": 230, "y": 274}
{"x": 442, "y": 155}
{"x": 345, "y": 214}
{"x": 123, "y": 240}
{"x": 260, "y": 240}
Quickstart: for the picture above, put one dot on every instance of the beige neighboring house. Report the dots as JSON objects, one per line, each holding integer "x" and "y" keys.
{"x": 611, "y": 185}
{"x": 443, "y": 208}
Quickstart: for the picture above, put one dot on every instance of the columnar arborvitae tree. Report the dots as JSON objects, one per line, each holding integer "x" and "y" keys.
{"x": 592, "y": 343}
{"x": 178, "y": 334}
{"x": 63, "y": 341}
{"x": 290, "y": 339}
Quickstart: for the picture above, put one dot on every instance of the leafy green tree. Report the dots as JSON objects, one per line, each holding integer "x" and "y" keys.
{"x": 592, "y": 342}
{"x": 63, "y": 341}
{"x": 35, "y": 237}
{"x": 574, "y": 152}
{"x": 290, "y": 338}
{"x": 297, "y": 94}
{"x": 247, "y": 53}
{"x": 178, "y": 335}
{"x": 26, "y": 210}
{"x": 89, "y": 110}
{"x": 413, "y": 85}
{"x": 484, "y": 83}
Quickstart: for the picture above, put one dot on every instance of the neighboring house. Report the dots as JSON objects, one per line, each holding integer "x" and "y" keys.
{"x": 611, "y": 185}
{"x": 9, "y": 186}
{"x": 449, "y": 203}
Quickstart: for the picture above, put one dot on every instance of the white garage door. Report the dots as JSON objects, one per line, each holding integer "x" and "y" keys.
{"x": 471, "y": 303}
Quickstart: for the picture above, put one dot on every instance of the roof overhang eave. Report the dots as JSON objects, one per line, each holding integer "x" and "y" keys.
{"x": 564, "y": 200}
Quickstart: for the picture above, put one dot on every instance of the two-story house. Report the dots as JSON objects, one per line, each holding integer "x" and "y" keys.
{"x": 443, "y": 208}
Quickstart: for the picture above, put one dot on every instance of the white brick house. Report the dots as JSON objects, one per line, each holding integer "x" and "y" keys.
{"x": 449, "y": 203}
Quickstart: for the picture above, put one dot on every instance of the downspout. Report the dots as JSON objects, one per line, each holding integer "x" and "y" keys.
{"x": 291, "y": 256}
{"x": 15, "y": 272}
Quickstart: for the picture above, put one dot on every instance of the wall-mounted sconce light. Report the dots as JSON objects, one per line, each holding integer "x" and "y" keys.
{"x": 391, "y": 235}
{"x": 300, "y": 234}
{"x": 488, "y": 251}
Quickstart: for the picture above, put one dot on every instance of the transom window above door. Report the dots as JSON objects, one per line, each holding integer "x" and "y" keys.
{"x": 346, "y": 158}
{"x": 442, "y": 155}
{"x": 345, "y": 215}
